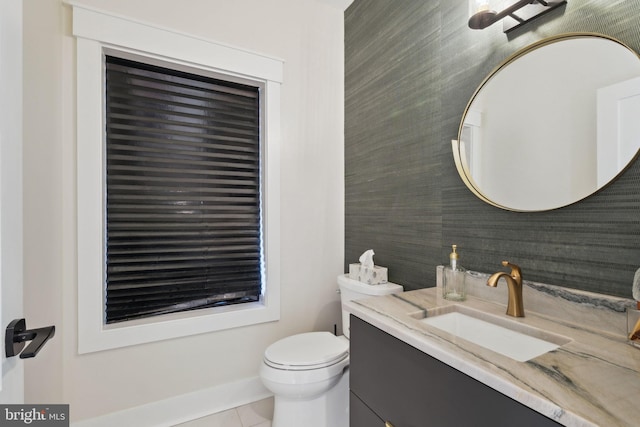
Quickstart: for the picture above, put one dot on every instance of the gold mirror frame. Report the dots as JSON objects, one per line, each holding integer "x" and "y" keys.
{"x": 458, "y": 149}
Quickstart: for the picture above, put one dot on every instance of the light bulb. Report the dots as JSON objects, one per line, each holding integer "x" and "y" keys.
{"x": 476, "y": 6}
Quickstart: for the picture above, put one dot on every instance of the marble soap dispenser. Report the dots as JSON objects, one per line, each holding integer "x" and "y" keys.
{"x": 454, "y": 286}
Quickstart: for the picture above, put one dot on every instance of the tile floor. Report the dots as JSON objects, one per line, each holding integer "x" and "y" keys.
{"x": 256, "y": 414}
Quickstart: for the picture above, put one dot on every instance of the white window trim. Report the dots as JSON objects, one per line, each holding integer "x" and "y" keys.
{"x": 96, "y": 31}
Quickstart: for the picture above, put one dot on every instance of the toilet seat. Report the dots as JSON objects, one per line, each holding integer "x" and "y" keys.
{"x": 307, "y": 351}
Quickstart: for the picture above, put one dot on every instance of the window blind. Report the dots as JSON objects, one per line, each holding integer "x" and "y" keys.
{"x": 183, "y": 198}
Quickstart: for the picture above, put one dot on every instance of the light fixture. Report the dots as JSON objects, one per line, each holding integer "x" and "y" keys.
{"x": 482, "y": 13}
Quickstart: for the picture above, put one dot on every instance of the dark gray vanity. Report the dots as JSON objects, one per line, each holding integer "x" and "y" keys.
{"x": 405, "y": 371}
{"x": 396, "y": 383}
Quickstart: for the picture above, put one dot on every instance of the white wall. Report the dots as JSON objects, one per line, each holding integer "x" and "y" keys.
{"x": 11, "y": 382}
{"x": 308, "y": 36}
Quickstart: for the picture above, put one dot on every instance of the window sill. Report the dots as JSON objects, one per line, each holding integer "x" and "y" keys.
{"x": 98, "y": 337}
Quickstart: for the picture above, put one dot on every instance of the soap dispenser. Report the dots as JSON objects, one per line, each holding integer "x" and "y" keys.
{"x": 454, "y": 286}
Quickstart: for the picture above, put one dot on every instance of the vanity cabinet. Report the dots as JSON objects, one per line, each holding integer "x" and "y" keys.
{"x": 394, "y": 382}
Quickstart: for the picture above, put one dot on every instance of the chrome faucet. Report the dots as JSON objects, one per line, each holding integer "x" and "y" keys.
{"x": 515, "y": 307}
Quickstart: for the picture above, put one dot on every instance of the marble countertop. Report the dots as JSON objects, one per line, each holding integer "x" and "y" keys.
{"x": 593, "y": 380}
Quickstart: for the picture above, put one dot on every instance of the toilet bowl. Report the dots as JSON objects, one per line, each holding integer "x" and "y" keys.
{"x": 308, "y": 372}
{"x": 307, "y": 375}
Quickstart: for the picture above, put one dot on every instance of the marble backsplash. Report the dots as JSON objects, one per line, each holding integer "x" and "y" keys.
{"x": 595, "y": 311}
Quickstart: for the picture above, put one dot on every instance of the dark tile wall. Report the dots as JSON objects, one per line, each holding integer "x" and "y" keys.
{"x": 410, "y": 68}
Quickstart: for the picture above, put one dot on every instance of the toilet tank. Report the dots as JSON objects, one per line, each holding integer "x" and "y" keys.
{"x": 351, "y": 290}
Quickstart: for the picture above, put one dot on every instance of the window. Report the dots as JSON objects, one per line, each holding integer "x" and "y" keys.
{"x": 232, "y": 182}
{"x": 183, "y": 223}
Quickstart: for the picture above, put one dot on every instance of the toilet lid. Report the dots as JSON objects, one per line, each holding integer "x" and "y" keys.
{"x": 310, "y": 350}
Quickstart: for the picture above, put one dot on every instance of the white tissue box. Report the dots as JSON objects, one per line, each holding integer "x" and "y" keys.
{"x": 371, "y": 276}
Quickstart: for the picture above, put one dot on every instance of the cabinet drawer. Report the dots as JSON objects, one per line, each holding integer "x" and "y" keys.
{"x": 360, "y": 415}
{"x": 409, "y": 388}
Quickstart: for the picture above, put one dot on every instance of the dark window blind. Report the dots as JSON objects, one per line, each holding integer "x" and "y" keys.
{"x": 183, "y": 197}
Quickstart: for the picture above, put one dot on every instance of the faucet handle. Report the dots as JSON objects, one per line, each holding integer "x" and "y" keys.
{"x": 516, "y": 273}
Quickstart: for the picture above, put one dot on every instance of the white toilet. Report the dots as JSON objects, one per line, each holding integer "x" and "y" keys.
{"x": 308, "y": 373}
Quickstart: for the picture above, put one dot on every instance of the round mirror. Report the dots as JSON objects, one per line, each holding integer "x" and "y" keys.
{"x": 554, "y": 123}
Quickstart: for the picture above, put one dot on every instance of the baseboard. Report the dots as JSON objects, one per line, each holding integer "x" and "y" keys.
{"x": 185, "y": 407}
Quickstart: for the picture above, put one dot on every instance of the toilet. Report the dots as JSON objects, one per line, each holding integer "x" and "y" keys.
{"x": 308, "y": 373}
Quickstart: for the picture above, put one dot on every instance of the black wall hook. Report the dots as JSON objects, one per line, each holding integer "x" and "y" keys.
{"x": 17, "y": 334}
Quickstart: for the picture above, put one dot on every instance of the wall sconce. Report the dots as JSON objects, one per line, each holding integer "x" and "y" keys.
{"x": 482, "y": 13}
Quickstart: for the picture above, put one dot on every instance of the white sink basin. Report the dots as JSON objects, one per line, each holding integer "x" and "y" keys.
{"x": 509, "y": 338}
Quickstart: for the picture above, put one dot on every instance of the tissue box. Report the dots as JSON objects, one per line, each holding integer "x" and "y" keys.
{"x": 371, "y": 276}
